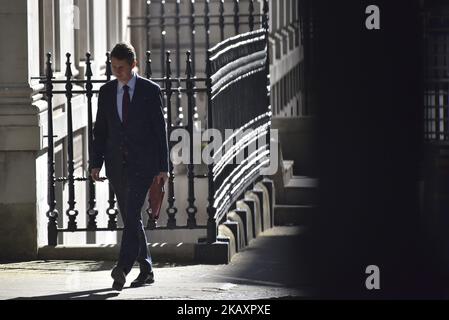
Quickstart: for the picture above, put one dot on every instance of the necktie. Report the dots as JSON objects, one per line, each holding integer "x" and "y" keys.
{"x": 125, "y": 104}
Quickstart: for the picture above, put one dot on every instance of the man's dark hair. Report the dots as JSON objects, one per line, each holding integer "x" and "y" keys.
{"x": 124, "y": 51}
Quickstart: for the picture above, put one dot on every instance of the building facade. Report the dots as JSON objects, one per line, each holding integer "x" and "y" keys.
{"x": 33, "y": 28}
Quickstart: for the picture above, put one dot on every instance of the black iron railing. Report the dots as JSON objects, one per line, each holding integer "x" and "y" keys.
{"x": 237, "y": 86}
{"x": 163, "y": 18}
{"x": 238, "y": 98}
{"x": 195, "y": 21}
{"x": 190, "y": 86}
{"x": 436, "y": 76}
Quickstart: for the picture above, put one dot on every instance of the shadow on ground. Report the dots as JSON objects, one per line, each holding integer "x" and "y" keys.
{"x": 277, "y": 258}
{"x": 82, "y": 295}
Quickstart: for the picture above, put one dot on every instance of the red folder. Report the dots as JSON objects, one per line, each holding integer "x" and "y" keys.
{"x": 155, "y": 198}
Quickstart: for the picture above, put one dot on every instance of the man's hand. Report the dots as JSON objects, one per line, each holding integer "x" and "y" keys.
{"x": 162, "y": 176}
{"x": 95, "y": 174}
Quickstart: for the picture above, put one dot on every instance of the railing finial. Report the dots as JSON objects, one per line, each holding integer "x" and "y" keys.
{"x": 108, "y": 66}
{"x": 68, "y": 72}
{"x": 49, "y": 71}
{"x": 88, "y": 65}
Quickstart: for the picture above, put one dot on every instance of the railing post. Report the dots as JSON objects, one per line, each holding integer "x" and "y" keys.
{"x": 168, "y": 88}
{"x": 236, "y": 16}
{"x": 147, "y": 24}
{"x": 266, "y": 26}
{"x": 171, "y": 210}
{"x": 251, "y": 15}
{"x": 148, "y": 71}
{"x": 163, "y": 37}
{"x": 111, "y": 211}
{"x": 446, "y": 111}
{"x": 212, "y": 228}
{"x": 191, "y": 209}
{"x": 221, "y": 20}
{"x": 71, "y": 212}
{"x": 193, "y": 54}
{"x": 52, "y": 213}
{"x": 436, "y": 100}
{"x": 265, "y": 18}
{"x": 207, "y": 22}
{"x": 92, "y": 212}
{"x": 192, "y": 35}
{"x": 179, "y": 115}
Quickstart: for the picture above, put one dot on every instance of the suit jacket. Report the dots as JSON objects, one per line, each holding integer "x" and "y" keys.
{"x": 144, "y": 139}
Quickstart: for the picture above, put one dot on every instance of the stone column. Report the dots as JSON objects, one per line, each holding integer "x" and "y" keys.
{"x": 20, "y": 133}
{"x": 138, "y": 37}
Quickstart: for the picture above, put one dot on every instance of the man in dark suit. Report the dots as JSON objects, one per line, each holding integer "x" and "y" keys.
{"x": 130, "y": 137}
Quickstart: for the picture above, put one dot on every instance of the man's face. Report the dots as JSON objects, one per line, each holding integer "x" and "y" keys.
{"x": 122, "y": 70}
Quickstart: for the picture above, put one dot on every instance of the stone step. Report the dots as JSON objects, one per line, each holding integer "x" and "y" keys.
{"x": 285, "y": 215}
{"x": 287, "y": 171}
{"x": 301, "y": 191}
{"x": 297, "y": 134}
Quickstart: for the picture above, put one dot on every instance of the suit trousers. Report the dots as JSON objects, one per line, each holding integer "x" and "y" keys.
{"x": 131, "y": 192}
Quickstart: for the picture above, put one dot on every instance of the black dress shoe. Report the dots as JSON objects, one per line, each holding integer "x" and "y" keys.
{"x": 142, "y": 279}
{"x": 119, "y": 278}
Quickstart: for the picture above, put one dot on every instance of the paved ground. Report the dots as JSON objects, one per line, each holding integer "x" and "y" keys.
{"x": 270, "y": 267}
